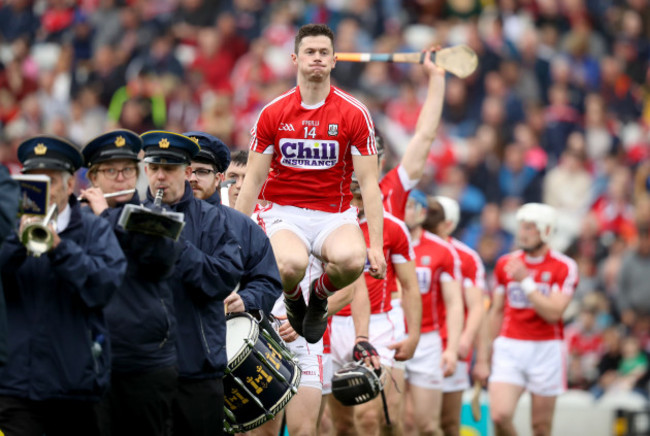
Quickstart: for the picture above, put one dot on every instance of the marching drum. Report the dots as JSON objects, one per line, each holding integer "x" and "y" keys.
{"x": 262, "y": 374}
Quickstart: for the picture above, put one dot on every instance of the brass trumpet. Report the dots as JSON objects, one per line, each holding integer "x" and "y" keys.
{"x": 37, "y": 237}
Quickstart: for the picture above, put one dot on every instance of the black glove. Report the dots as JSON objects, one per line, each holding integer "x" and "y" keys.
{"x": 362, "y": 350}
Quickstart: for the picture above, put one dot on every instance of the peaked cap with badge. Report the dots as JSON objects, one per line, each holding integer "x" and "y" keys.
{"x": 168, "y": 148}
{"x": 213, "y": 150}
{"x": 49, "y": 152}
{"x": 118, "y": 144}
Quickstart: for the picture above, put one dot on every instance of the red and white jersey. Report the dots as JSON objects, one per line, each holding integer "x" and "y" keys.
{"x": 472, "y": 274}
{"x": 555, "y": 272}
{"x": 436, "y": 262}
{"x": 397, "y": 249}
{"x": 312, "y": 149}
{"x": 471, "y": 265}
{"x": 395, "y": 187}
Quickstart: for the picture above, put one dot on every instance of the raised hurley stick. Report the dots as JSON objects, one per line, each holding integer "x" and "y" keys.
{"x": 459, "y": 60}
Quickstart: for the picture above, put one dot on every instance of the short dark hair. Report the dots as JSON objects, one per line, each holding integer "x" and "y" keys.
{"x": 240, "y": 158}
{"x": 210, "y": 162}
{"x": 435, "y": 216}
{"x": 312, "y": 30}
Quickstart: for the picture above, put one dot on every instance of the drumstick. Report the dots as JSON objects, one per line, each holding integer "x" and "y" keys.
{"x": 459, "y": 60}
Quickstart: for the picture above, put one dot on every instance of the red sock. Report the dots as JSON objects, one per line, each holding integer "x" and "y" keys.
{"x": 324, "y": 287}
{"x": 294, "y": 294}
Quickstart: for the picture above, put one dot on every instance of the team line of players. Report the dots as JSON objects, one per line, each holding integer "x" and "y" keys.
{"x": 426, "y": 335}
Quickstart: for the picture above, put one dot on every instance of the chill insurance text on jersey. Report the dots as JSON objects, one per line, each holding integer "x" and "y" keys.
{"x": 305, "y": 139}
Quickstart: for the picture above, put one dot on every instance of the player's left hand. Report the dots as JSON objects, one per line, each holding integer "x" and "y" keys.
{"x": 234, "y": 303}
{"x": 377, "y": 262}
{"x": 516, "y": 269}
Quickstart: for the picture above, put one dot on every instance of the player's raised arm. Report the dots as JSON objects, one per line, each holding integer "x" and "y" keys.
{"x": 415, "y": 155}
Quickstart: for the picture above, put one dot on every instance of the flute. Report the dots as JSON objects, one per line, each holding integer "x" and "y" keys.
{"x": 112, "y": 194}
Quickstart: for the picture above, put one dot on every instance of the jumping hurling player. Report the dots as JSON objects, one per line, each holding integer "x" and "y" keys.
{"x": 534, "y": 286}
{"x": 311, "y": 138}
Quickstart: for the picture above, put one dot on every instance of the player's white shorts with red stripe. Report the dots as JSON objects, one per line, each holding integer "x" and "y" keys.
{"x": 327, "y": 373}
{"x": 424, "y": 369}
{"x": 384, "y": 329}
{"x": 539, "y": 366}
{"x": 310, "y": 361}
{"x": 311, "y": 226}
{"x": 459, "y": 380}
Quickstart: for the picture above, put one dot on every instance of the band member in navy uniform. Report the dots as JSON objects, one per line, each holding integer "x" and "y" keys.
{"x": 209, "y": 268}
{"x": 59, "y": 349}
{"x": 140, "y": 316}
{"x": 260, "y": 284}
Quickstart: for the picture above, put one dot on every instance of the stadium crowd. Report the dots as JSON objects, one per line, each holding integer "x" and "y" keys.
{"x": 558, "y": 112}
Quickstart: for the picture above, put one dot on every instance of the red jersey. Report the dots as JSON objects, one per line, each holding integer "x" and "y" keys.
{"x": 436, "y": 262}
{"x": 555, "y": 272}
{"x": 312, "y": 149}
{"x": 397, "y": 249}
{"x": 395, "y": 187}
{"x": 472, "y": 274}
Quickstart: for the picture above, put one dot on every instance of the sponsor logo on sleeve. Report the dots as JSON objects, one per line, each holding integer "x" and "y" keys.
{"x": 308, "y": 153}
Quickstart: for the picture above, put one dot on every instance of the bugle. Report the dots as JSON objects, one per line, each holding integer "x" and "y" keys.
{"x": 37, "y": 236}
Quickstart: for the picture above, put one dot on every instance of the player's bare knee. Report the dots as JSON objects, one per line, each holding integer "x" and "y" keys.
{"x": 500, "y": 418}
{"x": 292, "y": 269}
{"x": 343, "y": 425}
{"x": 541, "y": 428}
{"x": 368, "y": 421}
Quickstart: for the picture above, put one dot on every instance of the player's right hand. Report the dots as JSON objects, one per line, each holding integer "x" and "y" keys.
{"x": 404, "y": 349}
{"x": 377, "y": 263}
{"x": 448, "y": 362}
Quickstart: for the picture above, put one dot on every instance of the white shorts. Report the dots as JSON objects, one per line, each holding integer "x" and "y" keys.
{"x": 311, "y": 226}
{"x": 539, "y": 366}
{"x": 459, "y": 380}
{"x": 424, "y": 368}
{"x": 310, "y": 360}
{"x": 327, "y": 374}
{"x": 385, "y": 329}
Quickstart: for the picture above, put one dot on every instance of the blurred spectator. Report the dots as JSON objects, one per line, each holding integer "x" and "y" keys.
{"x": 190, "y": 17}
{"x": 561, "y": 120}
{"x": 107, "y": 74}
{"x": 613, "y": 209}
{"x": 483, "y": 163}
{"x": 215, "y": 58}
{"x": 518, "y": 182}
{"x": 470, "y": 199}
{"x": 18, "y": 20}
{"x": 140, "y": 104}
{"x": 567, "y": 187}
{"x": 609, "y": 361}
{"x": 160, "y": 59}
{"x": 489, "y": 226}
{"x": 584, "y": 342}
{"x": 633, "y": 278}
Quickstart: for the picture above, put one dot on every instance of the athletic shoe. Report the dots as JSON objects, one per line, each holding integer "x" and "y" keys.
{"x": 315, "y": 322}
{"x": 296, "y": 310}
